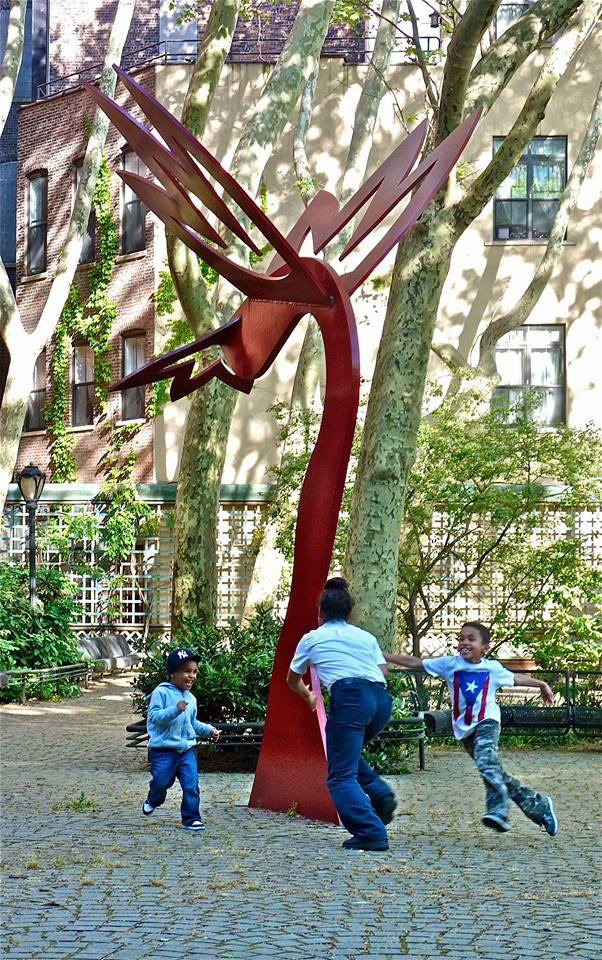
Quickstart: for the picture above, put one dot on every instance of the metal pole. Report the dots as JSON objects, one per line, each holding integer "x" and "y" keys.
{"x": 31, "y": 518}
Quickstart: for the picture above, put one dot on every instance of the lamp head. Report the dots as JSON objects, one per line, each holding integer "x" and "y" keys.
{"x": 31, "y": 482}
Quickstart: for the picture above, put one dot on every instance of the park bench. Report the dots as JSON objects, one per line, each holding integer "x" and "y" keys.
{"x": 249, "y": 735}
{"x": 577, "y": 707}
{"x": 80, "y": 673}
{"x": 110, "y": 652}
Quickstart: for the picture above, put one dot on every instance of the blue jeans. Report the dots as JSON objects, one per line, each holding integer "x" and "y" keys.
{"x": 165, "y": 766}
{"x": 359, "y": 709}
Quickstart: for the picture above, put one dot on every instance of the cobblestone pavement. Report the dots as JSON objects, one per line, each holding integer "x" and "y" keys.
{"x": 101, "y": 881}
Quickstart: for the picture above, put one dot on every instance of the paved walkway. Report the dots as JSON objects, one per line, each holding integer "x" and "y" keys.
{"x": 100, "y": 882}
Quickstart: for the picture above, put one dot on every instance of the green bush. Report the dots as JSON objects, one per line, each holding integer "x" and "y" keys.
{"x": 40, "y": 637}
{"x": 234, "y": 669}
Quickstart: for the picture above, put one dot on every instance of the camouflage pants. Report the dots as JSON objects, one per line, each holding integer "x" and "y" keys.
{"x": 500, "y": 787}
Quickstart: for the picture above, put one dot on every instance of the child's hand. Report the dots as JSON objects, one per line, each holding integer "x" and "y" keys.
{"x": 546, "y": 695}
{"x": 215, "y": 734}
{"x": 181, "y": 705}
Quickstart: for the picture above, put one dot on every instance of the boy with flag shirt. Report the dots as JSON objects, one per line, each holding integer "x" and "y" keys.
{"x": 473, "y": 681}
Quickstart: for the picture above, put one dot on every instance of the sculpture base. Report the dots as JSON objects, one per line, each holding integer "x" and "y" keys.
{"x": 291, "y": 770}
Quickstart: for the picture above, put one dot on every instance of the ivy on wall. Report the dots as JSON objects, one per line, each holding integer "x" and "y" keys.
{"x": 124, "y": 517}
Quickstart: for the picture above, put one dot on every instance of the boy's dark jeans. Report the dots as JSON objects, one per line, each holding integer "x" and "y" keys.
{"x": 165, "y": 766}
{"x": 500, "y": 787}
{"x": 359, "y": 709}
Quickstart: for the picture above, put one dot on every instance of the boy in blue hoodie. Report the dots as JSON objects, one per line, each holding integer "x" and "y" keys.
{"x": 172, "y": 731}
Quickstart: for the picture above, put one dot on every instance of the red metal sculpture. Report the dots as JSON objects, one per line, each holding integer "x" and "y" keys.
{"x": 291, "y": 771}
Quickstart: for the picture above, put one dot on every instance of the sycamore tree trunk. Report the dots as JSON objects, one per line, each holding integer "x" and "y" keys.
{"x": 269, "y": 563}
{"x": 23, "y": 348}
{"x": 394, "y": 409}
{"x": 194, "y": 590}
{"x": 11, "y": 61}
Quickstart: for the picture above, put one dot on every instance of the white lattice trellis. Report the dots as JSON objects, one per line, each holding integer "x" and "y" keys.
{"x": 144, "y": 590}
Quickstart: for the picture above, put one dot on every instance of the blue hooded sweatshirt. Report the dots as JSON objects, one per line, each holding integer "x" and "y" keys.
{"x": 169, "y": 728}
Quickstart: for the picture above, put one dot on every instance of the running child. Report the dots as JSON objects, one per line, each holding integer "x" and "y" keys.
{"x": 172, "y": 731}
{"x": 473, "y": 681}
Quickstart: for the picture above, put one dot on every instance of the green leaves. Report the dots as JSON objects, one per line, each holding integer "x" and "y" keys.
{"x": 39, "y": 637}
{"x": 233, "y": 672}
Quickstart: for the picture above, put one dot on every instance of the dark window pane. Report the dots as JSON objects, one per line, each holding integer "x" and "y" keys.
{"x": 36, "y": 231}
{"x": 134, "y": 211}
{"x": 510, "y": 220}
{"x": 36, "y": 404}
{"x": 544, "y": 212}
{"x": 36, "y": 248}
{"x": 133, "y": 227}
{"x": 132, "y": 404}
{"x": 83, "y": 404}
{"x": 132, "y": 400}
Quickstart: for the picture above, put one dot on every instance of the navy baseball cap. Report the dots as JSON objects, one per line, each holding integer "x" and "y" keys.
{"x": 177, "y": 657}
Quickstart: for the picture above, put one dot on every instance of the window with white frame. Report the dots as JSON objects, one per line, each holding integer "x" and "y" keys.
{"x": 532, "y": 359}
{"x": 82, "y": 399}
{"x": 34, "y": 418}
{"x": 526, "y": 202}
{"x": 132, "y": 400}
{"x": 134, "y": 212}
{"x": 37, "y": 223}
{"x": 88, "y": 254}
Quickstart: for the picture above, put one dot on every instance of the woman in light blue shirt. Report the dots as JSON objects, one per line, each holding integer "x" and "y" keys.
{"x": 350, "y": 663}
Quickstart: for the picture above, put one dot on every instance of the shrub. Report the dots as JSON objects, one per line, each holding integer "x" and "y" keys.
{"x": 40, "y": 637}
{"x": 234, "y": 669}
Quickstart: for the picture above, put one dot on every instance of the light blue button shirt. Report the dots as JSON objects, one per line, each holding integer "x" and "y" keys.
{"x": 339, "y": 650}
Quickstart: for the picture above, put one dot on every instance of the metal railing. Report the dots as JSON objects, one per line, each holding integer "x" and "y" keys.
{"x": 352, "y": 48}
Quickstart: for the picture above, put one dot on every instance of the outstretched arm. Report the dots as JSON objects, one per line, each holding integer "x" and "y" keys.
{"x": 403, "y": 660}
{"x": 522, "y": 680}
{"x": 295, "y": 682}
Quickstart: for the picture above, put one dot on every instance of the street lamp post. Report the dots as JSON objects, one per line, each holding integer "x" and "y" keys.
{"x": 31, "y": 482}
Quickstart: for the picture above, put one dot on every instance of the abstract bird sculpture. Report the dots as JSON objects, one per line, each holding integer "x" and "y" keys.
{"x": 291, "y": 770}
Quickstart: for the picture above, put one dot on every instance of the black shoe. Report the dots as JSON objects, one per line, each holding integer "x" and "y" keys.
{"x": 386, "y": 808}
{"x": 356, "y": 843}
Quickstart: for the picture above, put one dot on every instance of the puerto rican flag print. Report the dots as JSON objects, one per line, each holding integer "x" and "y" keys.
{"x": 470, "y": 691}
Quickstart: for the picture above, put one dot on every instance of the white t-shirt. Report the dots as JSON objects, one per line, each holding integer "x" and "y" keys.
{"x": 337, "y": 650}
{"x": 472, "y": 688}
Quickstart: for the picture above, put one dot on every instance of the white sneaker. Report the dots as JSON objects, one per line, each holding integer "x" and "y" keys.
{"x": 195, "y": 826}
{"x": 147, "y": 809}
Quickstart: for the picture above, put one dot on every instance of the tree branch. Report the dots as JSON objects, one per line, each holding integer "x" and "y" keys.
{"x": 458, "y": 63}
{"x": 305, "y": 181}
{"x": 507, "y": 54}
{"x": 429, "y": 86}
{"x": 533, "y": 111}
{"x": 11, "y": 61}
{"x": 183, "y": 263}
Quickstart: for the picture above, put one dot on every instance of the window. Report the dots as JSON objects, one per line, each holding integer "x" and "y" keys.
{"x": 526, "y": 202}
{"x": 132, "y": 400}
{"x": 532, "y": 358}
{"x": 36, "y": 229}
{"x": 88, "y": 254}
{"x": 83, "y": 386}
{"x": 134, "y": 211}
{"x": 34, "y": 419}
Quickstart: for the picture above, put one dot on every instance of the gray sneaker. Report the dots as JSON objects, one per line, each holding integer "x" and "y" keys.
{"x": 494, "y": 822}
{"x": 549, "y": 820}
